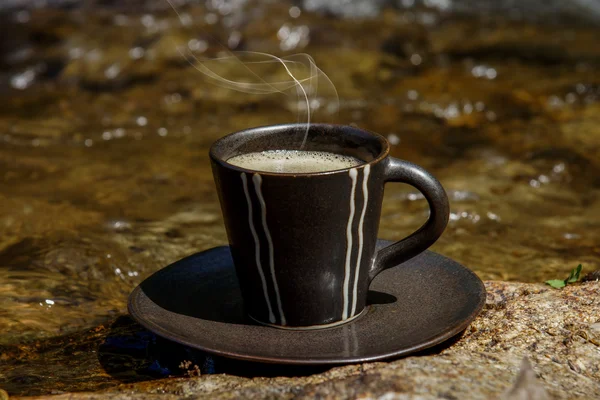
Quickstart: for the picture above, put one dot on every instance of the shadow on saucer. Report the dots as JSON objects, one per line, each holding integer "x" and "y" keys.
{"x": 374, "y": 297}
{"x": 211, "y": 292}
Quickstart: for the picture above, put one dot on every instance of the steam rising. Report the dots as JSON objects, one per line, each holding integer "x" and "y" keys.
{"x": 262, "y": 73}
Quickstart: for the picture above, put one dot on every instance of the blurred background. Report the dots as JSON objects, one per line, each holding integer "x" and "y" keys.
{"x": 105, "y": 128}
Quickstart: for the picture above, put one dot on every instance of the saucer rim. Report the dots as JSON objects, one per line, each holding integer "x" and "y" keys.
{"x": 437, "y": 339}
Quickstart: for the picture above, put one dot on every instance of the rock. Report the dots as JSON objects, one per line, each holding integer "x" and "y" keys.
{"x": 592, "y": 276}
{"x": 527, "y": 386}
{"x": 524, "y": 329}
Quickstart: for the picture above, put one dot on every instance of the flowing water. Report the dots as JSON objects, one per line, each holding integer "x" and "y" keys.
{"x": 105, "y": 128}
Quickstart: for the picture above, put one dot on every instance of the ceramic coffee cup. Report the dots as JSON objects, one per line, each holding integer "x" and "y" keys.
{"x": 303, "y": 244}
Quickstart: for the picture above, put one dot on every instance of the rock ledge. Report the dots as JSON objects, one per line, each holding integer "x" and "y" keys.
{"x": 557, "y": 331}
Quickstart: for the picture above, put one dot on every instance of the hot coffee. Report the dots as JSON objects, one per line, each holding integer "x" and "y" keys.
{"x": 304, "y": 243}
{"x": 294, "y": 161}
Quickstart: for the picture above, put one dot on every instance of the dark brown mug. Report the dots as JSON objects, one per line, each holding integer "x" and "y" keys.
{"x": 303, "y": 244}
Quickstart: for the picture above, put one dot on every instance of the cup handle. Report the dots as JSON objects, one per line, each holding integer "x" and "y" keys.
{"x": 403, "y": 171}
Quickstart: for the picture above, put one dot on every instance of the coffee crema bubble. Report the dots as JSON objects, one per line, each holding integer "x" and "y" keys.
{"x": 294, "y": 161}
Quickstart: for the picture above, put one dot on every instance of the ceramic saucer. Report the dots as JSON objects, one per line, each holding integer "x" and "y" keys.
{"x": 197, "y": 302}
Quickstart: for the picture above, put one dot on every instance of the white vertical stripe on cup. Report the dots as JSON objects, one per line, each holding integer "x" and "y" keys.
{"x": 257, "y": 179}
{"x": 257, "y": 249}
{"x": 365, "y": 188}
{"x": 353, "y": 175}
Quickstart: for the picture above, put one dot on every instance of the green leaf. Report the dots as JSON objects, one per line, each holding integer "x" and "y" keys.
{"x": 556, "y": 283}
{"x": 574, "y": 275}
{"x": 572, "y": 278}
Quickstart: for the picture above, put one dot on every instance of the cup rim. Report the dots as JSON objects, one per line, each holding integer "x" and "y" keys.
{"x": 283, "y": 127}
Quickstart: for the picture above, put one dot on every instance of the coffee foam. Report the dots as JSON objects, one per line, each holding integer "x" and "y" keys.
{"x": 294, "y": 161}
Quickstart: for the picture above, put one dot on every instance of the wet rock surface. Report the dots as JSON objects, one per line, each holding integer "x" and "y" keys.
{"x": 530, "y": 339}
